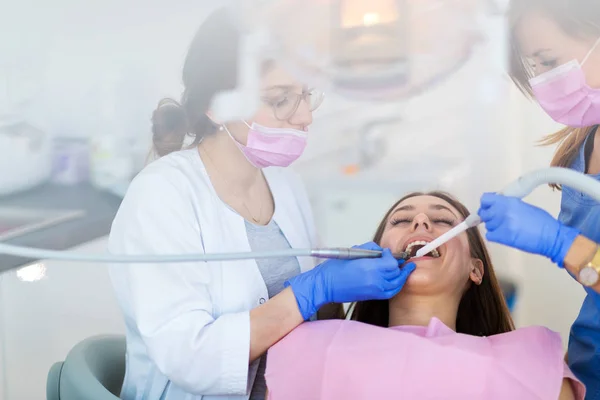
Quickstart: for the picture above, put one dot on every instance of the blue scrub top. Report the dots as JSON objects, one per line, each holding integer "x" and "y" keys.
{"x": 582, "y": 212}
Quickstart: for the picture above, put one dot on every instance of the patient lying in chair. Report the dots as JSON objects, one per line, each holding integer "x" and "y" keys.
{"x": 447, "y": 335}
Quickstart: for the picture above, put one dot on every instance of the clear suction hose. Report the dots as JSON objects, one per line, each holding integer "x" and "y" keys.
{"x": 521, "y": 188}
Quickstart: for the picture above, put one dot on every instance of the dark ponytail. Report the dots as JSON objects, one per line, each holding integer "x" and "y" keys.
{"x": 169, "y": 127}
{"x": 210, "y": 67}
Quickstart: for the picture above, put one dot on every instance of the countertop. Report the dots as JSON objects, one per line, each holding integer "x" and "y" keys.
{"x": 100, "y": 208}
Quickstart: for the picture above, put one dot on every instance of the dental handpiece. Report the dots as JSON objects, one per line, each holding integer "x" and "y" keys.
{"x": 347, "y": 253}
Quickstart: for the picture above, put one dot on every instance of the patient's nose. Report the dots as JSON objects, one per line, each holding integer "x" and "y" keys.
{"x": 421, "y": 221}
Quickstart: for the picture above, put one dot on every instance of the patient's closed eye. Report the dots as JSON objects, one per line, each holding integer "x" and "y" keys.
{"x": 405, "y": 220}
{"x": 444, "y": 221}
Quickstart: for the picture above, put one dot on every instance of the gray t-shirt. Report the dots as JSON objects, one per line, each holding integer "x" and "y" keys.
{"x": 275, "y": 271}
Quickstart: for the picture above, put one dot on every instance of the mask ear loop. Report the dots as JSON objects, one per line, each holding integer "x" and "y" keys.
{"x": 591, "y": 51}
{"x": 224, "y": 128}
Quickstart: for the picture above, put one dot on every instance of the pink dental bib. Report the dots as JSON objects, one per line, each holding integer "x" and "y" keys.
{"x": 351, "y": 360}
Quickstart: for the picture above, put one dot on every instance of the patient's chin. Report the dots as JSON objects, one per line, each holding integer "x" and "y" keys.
{"x": 421, "y": 280}
{"x": 431, "y": 278}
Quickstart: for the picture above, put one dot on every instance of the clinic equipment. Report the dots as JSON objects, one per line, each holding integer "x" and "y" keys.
{"x": 521, "y": 188}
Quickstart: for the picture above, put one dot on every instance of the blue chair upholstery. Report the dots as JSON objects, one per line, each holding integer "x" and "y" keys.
{"x": 509, "y": 290}
{"x": 93, "y": 370}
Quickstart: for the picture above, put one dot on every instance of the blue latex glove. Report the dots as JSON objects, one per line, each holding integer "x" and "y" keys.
{"x": 343, "y": 281}
{"x": 512, "y": 222}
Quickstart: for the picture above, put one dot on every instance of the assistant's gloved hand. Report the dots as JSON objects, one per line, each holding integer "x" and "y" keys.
{"x": 512, "y": 222}
{"x": 342, "y": 281}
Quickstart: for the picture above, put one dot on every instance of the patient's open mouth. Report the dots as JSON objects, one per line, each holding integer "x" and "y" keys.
{"x": 413, "y": 247}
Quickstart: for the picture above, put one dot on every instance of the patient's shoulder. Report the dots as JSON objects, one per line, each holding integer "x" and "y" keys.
{"x": 534, "y": 352}
{"x": 535, "y": 338}
{"x": 532, "y": 343}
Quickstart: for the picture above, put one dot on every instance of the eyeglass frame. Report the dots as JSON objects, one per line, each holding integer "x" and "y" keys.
{"x": 300, "y": 97}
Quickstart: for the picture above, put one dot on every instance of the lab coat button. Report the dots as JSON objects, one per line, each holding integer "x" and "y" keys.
{"x": 262, "y": 300}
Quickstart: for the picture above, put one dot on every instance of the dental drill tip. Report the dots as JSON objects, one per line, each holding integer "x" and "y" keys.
{"x": 403, "y": 256}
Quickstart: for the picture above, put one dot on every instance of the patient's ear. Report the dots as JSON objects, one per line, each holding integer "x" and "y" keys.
{"x": 477, "y": 269}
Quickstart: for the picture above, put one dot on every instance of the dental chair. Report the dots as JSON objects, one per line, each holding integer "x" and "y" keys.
{"x": 93, "y": 370}
{"x": 509, "y": 290}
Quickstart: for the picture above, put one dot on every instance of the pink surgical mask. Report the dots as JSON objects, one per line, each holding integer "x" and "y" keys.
{"x": 272, "y": 147}
{"x": 566, "y": 97}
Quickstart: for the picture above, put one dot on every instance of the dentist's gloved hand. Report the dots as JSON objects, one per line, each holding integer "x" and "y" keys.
{"x": 512, "y": 222}
{"x": 342, "y": 281}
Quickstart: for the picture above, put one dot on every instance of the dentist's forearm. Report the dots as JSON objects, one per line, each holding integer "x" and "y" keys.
{"x": 271, "y": 321}
{"x": 582, "y": 251}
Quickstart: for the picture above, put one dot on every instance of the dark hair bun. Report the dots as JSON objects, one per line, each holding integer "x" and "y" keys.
{"x": 169, "y": 126}
{"x": 210, "y": 67}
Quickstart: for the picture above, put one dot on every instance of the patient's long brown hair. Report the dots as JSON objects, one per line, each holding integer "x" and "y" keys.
{"x": 482, "y": 310}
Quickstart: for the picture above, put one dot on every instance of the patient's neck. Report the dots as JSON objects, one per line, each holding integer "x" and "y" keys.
{"x": 409, "y": 309}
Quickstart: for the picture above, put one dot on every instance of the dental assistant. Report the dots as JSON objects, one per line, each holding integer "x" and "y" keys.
{"x": 556, "y": 59}
{"x": 200, "y": 330}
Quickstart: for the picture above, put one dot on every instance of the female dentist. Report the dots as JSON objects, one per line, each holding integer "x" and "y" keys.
{"x": 200, "y": 330}
{"x": 556, "y": 59}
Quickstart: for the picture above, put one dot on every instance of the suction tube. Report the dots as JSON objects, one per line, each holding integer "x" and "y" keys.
{"x": 523, "y": 187}
{"x": 560, "y": 176}
{"x": 527, "y": 183}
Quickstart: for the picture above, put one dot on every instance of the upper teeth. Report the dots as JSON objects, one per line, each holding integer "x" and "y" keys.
{"x": 434, "y": 252}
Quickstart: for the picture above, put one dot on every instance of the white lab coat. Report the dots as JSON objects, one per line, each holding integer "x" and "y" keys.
{"x": 188, "y": 325}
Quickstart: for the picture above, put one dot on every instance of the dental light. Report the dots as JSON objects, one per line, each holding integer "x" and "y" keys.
{"x": 372, "y": 50}
{"x": 353, "y": 47}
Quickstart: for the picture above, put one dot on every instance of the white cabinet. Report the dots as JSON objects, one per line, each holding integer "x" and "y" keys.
{"x": 40, "y": 321}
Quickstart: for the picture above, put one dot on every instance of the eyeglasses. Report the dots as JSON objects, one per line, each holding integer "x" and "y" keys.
{"x": 286, "y": 104}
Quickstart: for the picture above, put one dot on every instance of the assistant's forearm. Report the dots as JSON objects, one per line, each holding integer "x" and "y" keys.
{"x": 582, "y": 251}
{"x": 271, "y": 321}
